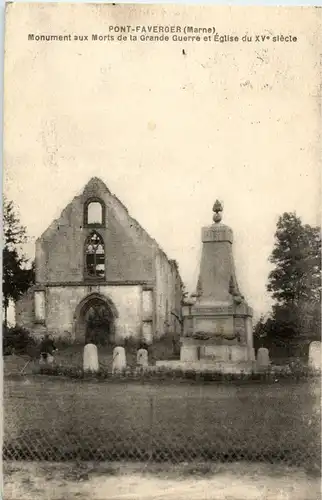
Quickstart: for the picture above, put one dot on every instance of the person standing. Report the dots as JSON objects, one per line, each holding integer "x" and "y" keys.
{"x": 47, "y": 349}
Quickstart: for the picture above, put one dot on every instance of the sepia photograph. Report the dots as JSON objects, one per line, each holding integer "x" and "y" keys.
{"x": 161, "y": 332}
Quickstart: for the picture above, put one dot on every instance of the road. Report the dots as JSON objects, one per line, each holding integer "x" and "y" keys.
{"x": 238, "y": 481}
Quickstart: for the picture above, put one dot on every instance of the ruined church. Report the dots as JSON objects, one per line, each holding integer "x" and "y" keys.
{"x": 100, "y": 275}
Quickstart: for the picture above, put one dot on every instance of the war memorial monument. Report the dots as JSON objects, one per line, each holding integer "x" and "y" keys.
{"x": 217, "y": 321}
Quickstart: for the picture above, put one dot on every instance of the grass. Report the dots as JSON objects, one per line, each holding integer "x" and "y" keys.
{"x": 50, "y": 418}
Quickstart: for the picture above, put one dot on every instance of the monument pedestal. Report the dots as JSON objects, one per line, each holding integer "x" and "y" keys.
{"x": 211, "y": 352}
{"x": 193, "y": 349}
{"x": 202, "y": 366}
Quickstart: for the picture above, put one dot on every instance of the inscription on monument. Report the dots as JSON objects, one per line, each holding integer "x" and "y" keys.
{"x": 213, "y": 310}
{"x": 217, "y": 234}
{"x": 213, "y": 325}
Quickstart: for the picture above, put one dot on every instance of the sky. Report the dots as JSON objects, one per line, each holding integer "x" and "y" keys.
{"x": 169, "y": 127}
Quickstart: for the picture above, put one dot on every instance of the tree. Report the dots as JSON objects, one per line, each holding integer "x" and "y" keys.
{"x": 296, "y": 255}
{"x": 17, "y": 276}
{"x": 295, "y": 282}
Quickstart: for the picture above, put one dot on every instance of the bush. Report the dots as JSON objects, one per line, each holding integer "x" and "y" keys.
{"x": 17, "y": 340}
{"x": 165, "y": 348}
{"x": 62, "y": 371}
{"x": 129, "y": 343}
{"x": 270, "y": 376}
{"x": 62, "y": 343}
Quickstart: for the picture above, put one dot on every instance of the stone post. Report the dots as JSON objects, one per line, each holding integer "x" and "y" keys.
{"x": 90, "y": 360}
{"x": 119, "y": 360}
{"x": 315, "y": 356}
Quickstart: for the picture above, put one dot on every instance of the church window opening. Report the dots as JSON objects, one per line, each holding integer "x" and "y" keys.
{"x": 95, "y": 256}
{"x": 95, "y": 213}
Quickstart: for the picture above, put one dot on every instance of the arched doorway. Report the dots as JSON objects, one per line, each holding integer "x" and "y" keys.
{"x": 95, "y": 320}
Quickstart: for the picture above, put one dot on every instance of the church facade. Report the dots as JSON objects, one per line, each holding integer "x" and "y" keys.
{"x": 98, "y": 272}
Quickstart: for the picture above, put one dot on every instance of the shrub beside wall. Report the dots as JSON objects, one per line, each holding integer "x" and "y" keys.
{"x": 17, "y": 340}
{"x": 270, "y": 376}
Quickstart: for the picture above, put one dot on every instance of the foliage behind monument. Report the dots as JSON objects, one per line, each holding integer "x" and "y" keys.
{"x": 295, "y": 285}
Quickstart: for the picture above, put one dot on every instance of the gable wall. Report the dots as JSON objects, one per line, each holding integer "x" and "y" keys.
{"x": 60, "y": 250}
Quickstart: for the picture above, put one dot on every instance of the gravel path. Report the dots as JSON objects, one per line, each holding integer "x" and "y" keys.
{"x": 238, "y": 481}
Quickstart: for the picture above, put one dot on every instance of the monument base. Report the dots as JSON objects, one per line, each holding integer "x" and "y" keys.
{"x": 193, "y": 350}
{"x": 207, "y": 365}
{"x": 207, "y": 355}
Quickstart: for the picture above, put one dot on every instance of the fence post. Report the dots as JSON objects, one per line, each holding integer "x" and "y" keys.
{"x": 151, "y": 426}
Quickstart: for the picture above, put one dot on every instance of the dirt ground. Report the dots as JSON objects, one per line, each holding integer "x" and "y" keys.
{"x": 238, "y": 481}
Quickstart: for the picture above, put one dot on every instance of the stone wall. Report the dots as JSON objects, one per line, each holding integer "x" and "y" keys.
{"x": 25, "y": 310}
{"x": 176, "y": 291}
{"x": 61, "y": 304}
{"x": 60, "y": 250}
{"x": 25, "y": 314}
{"x": 168, "y": 296}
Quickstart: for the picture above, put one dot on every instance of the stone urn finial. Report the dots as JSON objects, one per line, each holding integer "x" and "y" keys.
{"x": 217, "y": 209}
